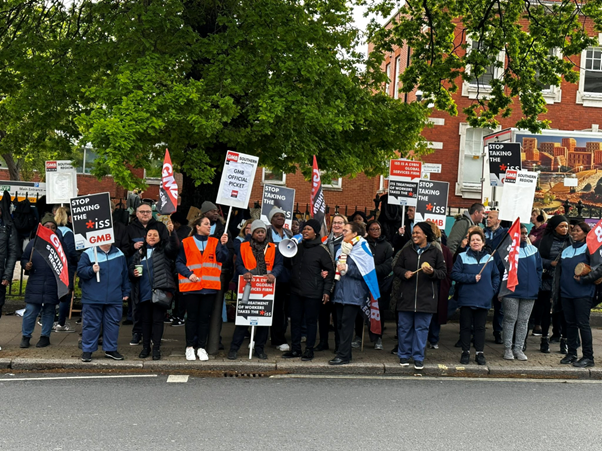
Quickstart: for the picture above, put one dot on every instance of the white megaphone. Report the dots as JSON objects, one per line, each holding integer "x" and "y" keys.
{"x": 288, "y": 246}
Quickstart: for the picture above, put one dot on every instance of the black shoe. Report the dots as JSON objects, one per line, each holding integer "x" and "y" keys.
{"x": 536, "y": 331}
{"x": 135, "y": 339}
{"x": 127, "y": 322}
{"x": 232, "y": 355}
{"x": 458, "y": 344}
{"x": 394, "y": 350}
{"x": 307, "y": 356}
{"x": 322, "y": 347}
{"x": 24, "y": 342}
{"x": 262, "y": 355}
{"x": 480, "y": 359}
{"x": 291, "y": 355}
{"x": 418, "y": 364}
{"x": 583, "y": 362}
{"x": 465, "y": 358}
{"x": 86, "y": 356}
{"x": 177, "y": 322}
{"x": 144, "y": 353}
{"x": 43, "y": 342}
{"x": 113, "y": 355}
{"x": 497, "y": 337}
{"x": 555, "y": 338}
{"x": 404, "y": 362}
{"x": 338, "y": 361}
{"x": 564, "y": 349}
{"x": 568, "y": 359}
{"x": 156, "y": 354}
{"x": 545, "y": 346}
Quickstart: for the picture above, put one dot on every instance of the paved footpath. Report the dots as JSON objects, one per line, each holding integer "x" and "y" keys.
{"x": 64, "y": 355}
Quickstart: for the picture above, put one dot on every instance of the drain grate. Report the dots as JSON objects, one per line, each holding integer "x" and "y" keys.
{"x": 244, "y": 375}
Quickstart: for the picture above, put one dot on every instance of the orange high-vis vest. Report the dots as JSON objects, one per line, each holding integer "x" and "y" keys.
{"x": 249, "y": 260}
{"x": 203, "y": 265}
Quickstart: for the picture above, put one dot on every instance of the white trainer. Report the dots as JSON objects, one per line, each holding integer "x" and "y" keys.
{"x": 190, "y": 354}
{"x": 283, "y": 347}
{"x": 202, "y": 354}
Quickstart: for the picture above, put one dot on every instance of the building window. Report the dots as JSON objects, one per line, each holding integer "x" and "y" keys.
{"x": 397, "y": 74}
{"x": 333, "y": 184}
{"x": 273, "y": 177}
{"x": 470, "y": 163}
{"x": 480, "y": 86}
{"x": 552, "y": 94}
{"x": 388, "y": 82}
{"x": 590, "y": 78}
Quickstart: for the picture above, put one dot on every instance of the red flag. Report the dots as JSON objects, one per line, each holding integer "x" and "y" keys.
{"x": 594, "y": 238}
{"x": 374, "y": 316}
{"x": 318, "y": 205}
{"x": 49, "y": 246}
{"x": 168, "y": 194}
{"x": 508, "y": 251}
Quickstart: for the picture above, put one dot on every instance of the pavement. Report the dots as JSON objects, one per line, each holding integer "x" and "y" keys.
{"x": 63, "y": 355}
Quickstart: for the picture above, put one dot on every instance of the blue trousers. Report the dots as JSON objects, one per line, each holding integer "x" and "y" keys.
{"x": 93, "y": 317}
{"x": 434, "y": 331}
{"x": 31, "y": 314}
{"x": 412, "y": 332}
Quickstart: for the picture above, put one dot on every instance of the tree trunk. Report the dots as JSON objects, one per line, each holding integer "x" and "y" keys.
{"x": 13, "y": 167}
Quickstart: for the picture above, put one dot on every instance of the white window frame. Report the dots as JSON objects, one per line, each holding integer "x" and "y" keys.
{"x": 475, "y": 91}
{"x": 554, "y": 93}
{"x": 588, "y": 99}
{"x": 468, "y": 190}
{"x": 335, "y": 185}
{"x": 272, "y": 182}
{"x": 396, "y": 82}
{"x": 388, "y": 82}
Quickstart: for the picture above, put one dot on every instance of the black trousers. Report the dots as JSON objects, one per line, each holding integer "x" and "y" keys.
{"x": 476, "y": 319}
{"x": 260, "y": 338}
{"x": 346, "y": 315}
{"x": 152, "y": 324}
{"x": 576, "y": 313}
{"x": 179, "y": 310}
{"x": 2, "y": 297}
{"x": 199, "y": 307}
{"x": 310, "y": 309}
{"x": 542, "y": 307}
{"x": 324, "y": 323}
{"x": 559, "y": 325}
{"x": 279, "y": 317}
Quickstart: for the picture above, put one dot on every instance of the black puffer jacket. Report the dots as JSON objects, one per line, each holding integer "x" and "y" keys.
{"x": 162, "y": 267}
{"x": 306, "y": 273}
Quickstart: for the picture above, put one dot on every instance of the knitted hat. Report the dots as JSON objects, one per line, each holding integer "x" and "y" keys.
{"x": 257, "y": 224}
{"x": 427, "y": 230}
{"x": 314, "y": 224}
{"x": 555, "y": 221}
{"x": 48, "y": 217}
{"x": 207, "y": 206}
{"x": 275, "y": 210}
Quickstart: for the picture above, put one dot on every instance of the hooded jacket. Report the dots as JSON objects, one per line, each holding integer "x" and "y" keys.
{"x": 306, "y": 273}
{"x": 114, "y": 283}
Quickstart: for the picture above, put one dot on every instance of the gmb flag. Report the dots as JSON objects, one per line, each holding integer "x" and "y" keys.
{"x": 48, "y": 245}
{"x": 168, "y": 194}
{"x": 508, "y": 251}
{"x": 318, "y": 205}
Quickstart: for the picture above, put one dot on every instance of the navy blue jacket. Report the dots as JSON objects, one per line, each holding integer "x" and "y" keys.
{"x": 569, "y": 286}
{"x": 470, "y": 293}
{"x": 351, "y": 289}
{"x": 72, "y": 255}
{"x": 529, "y": 273}
{"x": 114, "y": 282}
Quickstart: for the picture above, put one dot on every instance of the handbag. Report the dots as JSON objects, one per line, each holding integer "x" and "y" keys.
{"x": 160, "y": 298}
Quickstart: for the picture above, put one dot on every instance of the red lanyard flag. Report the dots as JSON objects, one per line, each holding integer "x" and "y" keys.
{"x": 168, "y": 194}
{"x": 509, "y": 252}
{"x": 48, "y": 245}
{"x": 318, "y": 206}
{"x": 594, "y": 238}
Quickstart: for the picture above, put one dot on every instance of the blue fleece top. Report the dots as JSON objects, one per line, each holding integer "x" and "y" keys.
{"x": 569, "y": 287}
{"x": 470, "y": 292}
{"x": 529, "y": 272}
{"x": 221, "y": 254}
{"x": 114, "y": 282}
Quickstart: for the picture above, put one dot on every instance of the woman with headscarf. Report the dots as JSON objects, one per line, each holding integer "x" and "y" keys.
{"x": 555, "y": 239}
{"x": 477, "y": 278}
{"x": 420, "y": 267}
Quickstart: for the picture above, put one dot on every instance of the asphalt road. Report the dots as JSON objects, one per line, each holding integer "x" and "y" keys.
{"x": 297, "y": 414}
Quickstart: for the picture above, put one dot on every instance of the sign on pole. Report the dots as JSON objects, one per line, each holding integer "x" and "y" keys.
{"x": 432, "y": 202}
{"x": 503, "y": 157}
{"x": 281, "y": 197}
{"x": 237, "y": 179}
{"x": 92, "y": 220}
{"x": 61, "y": 182}
{"x": 257, "y": 311}
{"x": 404, "y": 176}
{"x": 518, "y": 195}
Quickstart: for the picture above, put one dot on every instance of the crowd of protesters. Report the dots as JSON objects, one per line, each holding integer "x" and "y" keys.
{"x": 422, "y": 276}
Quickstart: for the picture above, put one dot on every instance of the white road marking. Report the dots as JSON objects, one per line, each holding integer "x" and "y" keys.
{"x": 58, "y": 378}
{"x": 176, "y": 378}
{"x": 440, "y": 379}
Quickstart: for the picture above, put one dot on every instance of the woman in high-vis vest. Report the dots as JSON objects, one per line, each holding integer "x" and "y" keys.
{"x": 199, "y": 266}
{"x": 257, "y": 257}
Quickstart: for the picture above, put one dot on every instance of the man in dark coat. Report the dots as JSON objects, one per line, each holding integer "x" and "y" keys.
{"x": 10, "y": 250}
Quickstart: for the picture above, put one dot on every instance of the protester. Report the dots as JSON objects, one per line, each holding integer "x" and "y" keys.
{"x": 420, "y": 268}
{"x": 576, "y": 295}
{"x": 538, "y": 219}
{"x": 404, "y": 234}
{"x": 351, "y": 291}
{"x": 10, "y": 250}
{"x": 199, "y": 267}
{"x": 276, "y": 230}
{"x": 472, "y": 217}
{"x": 333, "y": 243}
{"x": 102, "y": 301}
{"x": 295, "y": 226}
{"x": 257, "y": 257}
{"x": 477, "y": 281}
{"x": 41, "y": 293}
{"x": 383, "y": 262}
{"x": 155, "y": 258}
{"x": 180, "y": 225}
{"x": 518, "y": 304}
{"x": 554, "y": 240}
{"x": 61, "y": 217}
{"x": 494, "y": 234}
{"x": 359, "y": 216}
{"x": 308, "y": 288}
